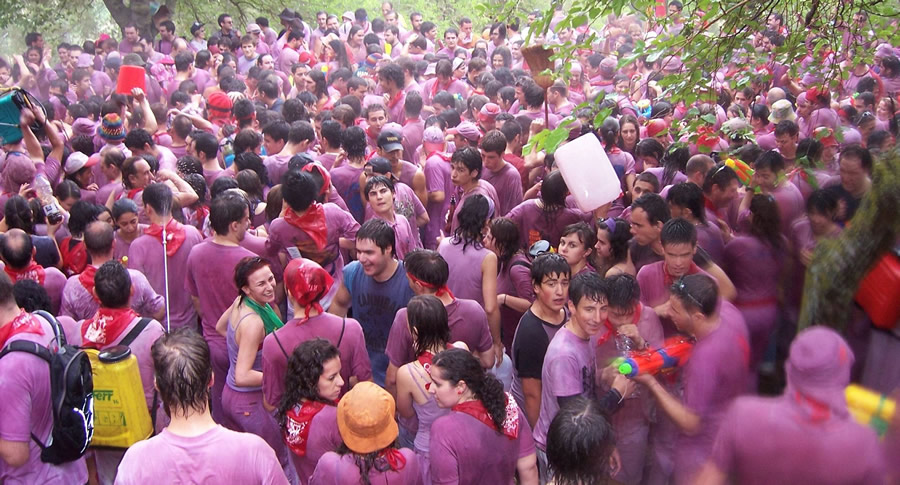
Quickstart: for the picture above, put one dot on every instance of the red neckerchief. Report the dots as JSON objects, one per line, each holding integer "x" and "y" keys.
{"x": 23, "y": 323}
{"x": 610, "y": 330}
{"x": 669, "y": 279}
{"x": 201, "y": 214}
{"x": 33, "y": 272}
{"x": 86, "y": 278}
{"x": 709, "y": 205}
{"x": 425, "y": 358}
{"x": 602, "y": 82}
{"x": 437, "y": 83}
{"x": 394, "y": 458}
{"x": 443, "y": 155}
{"x": 174, "y": 234}
{"x": 312, "y": 222}
{"x": 297, "y": 424}
{"x": 106, "y": 326}
{"x": 444, "y": 290}
{"x": 817, "y": 411}
{"x": 400, "y": 96}
{"x": 133, "y": 192}
{"x": 74, "y": 258}
{"x": 477, "y": 410}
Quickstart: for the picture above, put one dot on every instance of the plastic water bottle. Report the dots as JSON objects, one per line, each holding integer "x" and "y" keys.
{"x": 48, "y": 202}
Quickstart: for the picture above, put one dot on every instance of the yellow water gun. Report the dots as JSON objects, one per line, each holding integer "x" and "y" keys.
{"x": 744, "y": 172}
{"x": 870, "y": 408}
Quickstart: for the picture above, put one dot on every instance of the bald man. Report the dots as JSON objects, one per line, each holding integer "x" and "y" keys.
{"x": 17, "y": 252}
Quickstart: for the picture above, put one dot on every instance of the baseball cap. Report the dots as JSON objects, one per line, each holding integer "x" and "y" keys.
{"x": 78, "y": 160}
{"x": 196, "y": 26}
{"x": 433, "y": 135}
{"x": 430, "y": 70}
{"x": 365, "y": 418}
{"x": 113, "y": 61}
{"x": 253, "y": 28}
{"x": 489, "y": 111}
{"x": 349, "y": 16}
{"x": 467, "y": 130}
{"x": 389, "y": 141}
{"x": 85, "y": 60}
{"x": 380, "y": 166}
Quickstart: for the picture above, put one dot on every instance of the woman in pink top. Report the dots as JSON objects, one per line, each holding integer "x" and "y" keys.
{"x": 515, "y": 293}
{"x": 308, "y": 410}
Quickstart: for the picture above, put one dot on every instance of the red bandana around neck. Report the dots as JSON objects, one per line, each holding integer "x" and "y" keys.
{"x": 23, "y": 323}
{"x": 299, "y": 420}
{"x": 443, "y": 156}
{"x": 33, "y": 271}
{"x": 106, "y": 326}
{"x": 74, "y": 255}
{"x": 393, "y": 102}
{"x": 133, "y": 192}
{"x": 174, "y": 235}
{"x": 312, "y": 222}
{"x": 86, "y": 278}
{"x": 668, "y": 279}
{"x": 436, "y": 88}
{"x": 477, "y": 410}
{"x": 394, "y": 458}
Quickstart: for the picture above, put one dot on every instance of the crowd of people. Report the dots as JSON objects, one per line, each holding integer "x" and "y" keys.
{"x": 354, "y": 273}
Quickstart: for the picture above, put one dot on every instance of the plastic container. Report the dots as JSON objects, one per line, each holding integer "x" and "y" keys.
{"x": 48, "y": 202}
{"x": 870, "y": 408}
{"x": 131, "y": 77}
{"x": 589, "y": 175}
{"x": 674, "y": 353}
{"x": 121, "y": 417}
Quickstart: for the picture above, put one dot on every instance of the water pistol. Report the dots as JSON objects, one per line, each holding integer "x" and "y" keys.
{"x": 870, "y": 408}
{"x": 744, "y": 172}
{"x": 675, "y": 352}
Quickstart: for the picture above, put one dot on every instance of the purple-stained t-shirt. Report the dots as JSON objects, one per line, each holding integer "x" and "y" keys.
{"x": 406, "y": 204}
{"x": 210, "y": 278}
{"x": 407, "y": 172}
{"x": 468, "y": 323}
{"x": 513, "y": 279}
{"x": 216, "y": 456}
{"x": 54, "y": 282}
{"x": 346, "y": 180}
{"x": 465, "y": 280}
{"x": 508, "y": 185}
{"x": 323, "y": 437}
{"x": 709, "y": 237}
{"x": 539, "y": 115}
{"x": 652, "y": 280}
{"x": 327, "y": 160}
{"x": 774, "y": 440}
{"x": 619, "y": 158}
{"x": 111, "y": 188}
{"x": 25, "y": 387}
{"x": 437, "y": 179}
{"x": 791, "y": 204}
{"x": 754, "y": 267}
{"x": 354, "y": 358}
{"x": 465, "y": 450}
{"x": 404, "y": 237}
{"x": 101, "y": 83}
{"x": 79, "y": 304}
{"x": 211, "y": 175}
{"x": 283, "y": 239}
{"x": 411, "y": 135}
{"x": 678, "y": 178}
{"x": 276, "y": 167}
{"x": 715, "y": 375}
{"x": 484, "y": 188}
{"x": 334, "y": 469}
{"x": 535, "y": 224}
{"x": 570, "y": 369}
{"x": 146, "y": 256}
{"x": 121, "y": 246}
{"x": 455, "y": 87}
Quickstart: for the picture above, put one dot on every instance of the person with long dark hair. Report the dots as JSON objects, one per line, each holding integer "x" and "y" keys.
{"x": 514, "y": 291}
{"x": 629, "y": 137}
{"x": 475, "y": 267}
{"x": 609, "y": 136}
{"x": 610, "y": 256}
{"x": 546, "y": 217}
{"x": 580, "y": 443}
{"x": 485, "y": 439}
{"x": 307, "y": 413}
{"x": 369, "y": 453}
{"x": 427, "y": 321}
{"x": 754, "y": 262}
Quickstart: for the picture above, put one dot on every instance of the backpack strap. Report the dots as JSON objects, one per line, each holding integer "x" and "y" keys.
{"x": 343, "y": 326}
{"x": 54, "y": 323}
{"x": 278, "y": 341}
{"x": 32, "y": 348}
{"x": 135, "y": 332}
{"x": 520, "y": 263}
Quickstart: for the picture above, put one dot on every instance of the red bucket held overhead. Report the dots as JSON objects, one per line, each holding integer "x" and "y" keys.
{"x": 131, "y": 77}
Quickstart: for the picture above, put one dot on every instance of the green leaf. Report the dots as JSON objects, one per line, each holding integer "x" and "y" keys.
{"x": 709, "y": 118}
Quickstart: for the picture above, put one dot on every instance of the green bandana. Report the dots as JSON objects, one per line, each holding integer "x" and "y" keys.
{"x": 270, "y": 319}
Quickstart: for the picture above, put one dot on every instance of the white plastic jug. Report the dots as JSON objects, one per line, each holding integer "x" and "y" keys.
{"x": 588, "y": 172}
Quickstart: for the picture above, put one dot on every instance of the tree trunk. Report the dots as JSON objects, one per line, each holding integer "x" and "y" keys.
{"x": 137, "y": 11}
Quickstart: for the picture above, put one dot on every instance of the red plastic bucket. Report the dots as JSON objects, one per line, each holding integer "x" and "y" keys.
{"x": 130, "y": 77}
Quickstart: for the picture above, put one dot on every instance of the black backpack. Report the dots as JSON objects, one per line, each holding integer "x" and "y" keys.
{"x": 71, "y": 396}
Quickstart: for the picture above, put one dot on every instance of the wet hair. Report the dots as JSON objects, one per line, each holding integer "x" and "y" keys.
{"x": 457, "y": 365}
{"x": 252, "y": 161}
{"x": 859, "y": 153}
{"x": 721, "y": 176}
{"x": 379, "y": 232}
{"x": 427, "y": 320}
{"x": 246, "y": 140}
{"x": 67, "y": 189}
{"x": 377, "y": 180}
{"x": 331, "y": 131}
{"x": 619, "y": 238}
{"x": 554, "y": 191}
{"x": 428, "y": 266}
{"x": 249, "y": 182}
{"x": 299, "y": 189}
{"x": 587, "y": 285}
{"x": 549, "y": 264}
{"x": 183, "y": 369}
{"x": 18, "y": 214}
{"x": 771, "y": 160}
{"x": 224, "y": 210}
{"x": 650, "y": 179}
{"x": 353, "y": 141}
{"x": 99, "y": 238}
{"x": 246, "y": 267}
{"x": 474, "y": 213}
{"x": 301, "y": 378}
{"x": 494, "y": 141}
{"x": 787, "y": 127}
{"x": 650, "y": 147}
{"x": 688, "y": 196}
{"x": 507, "y": 240}
{"x": 656, "y": 208}
{"x": 31, "y": 296}
{"x": 585, "y": 233}
{"x": 112, "y": 285}
{"x": 766, "y": 221}
{"x": 82, "y": 214}
{"x": 822, "y": 202}
{"x": 609, "y": 133}
{"x": 580, "y": 441}
{"x": 678, "y": 231}
{"x": 622, "y": 291}
{"x": 123, "y": 206}
{"x": 697, "y": 291}
{"x": 158, "y": 196}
